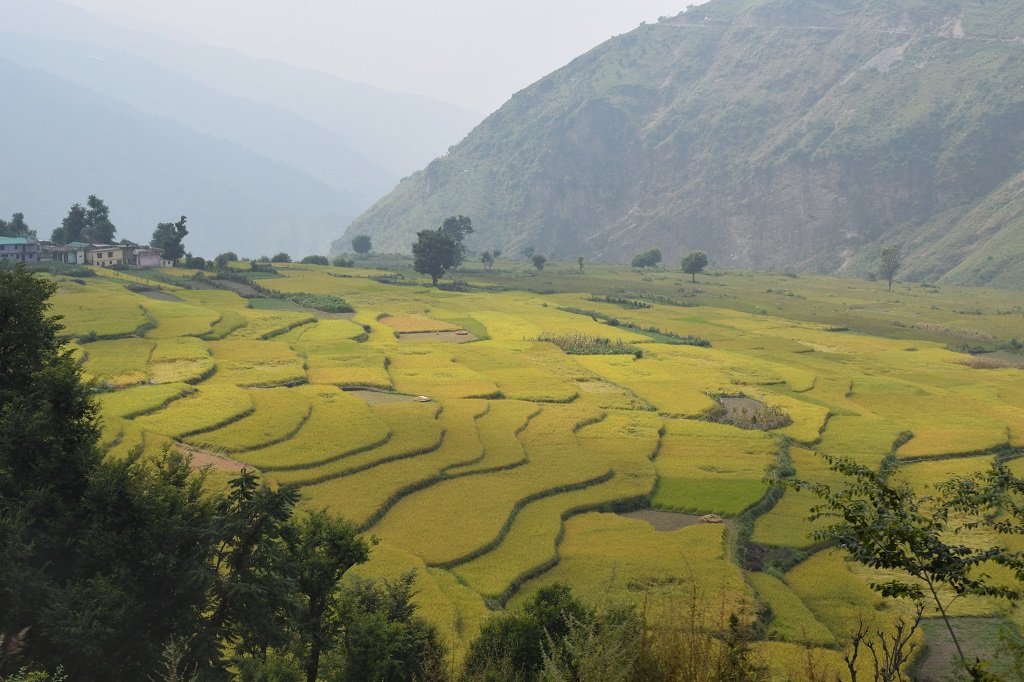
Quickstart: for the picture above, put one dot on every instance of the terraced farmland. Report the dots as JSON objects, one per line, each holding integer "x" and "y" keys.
{"x": 496, "y": 466}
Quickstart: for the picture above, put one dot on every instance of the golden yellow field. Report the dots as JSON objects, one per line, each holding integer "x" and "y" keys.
{"x": 512, "y": 469}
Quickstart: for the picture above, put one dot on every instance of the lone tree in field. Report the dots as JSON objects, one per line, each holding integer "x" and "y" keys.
{"x": 647, "y": 259}
{"x": 487, "y": 258}
{"x": 579, "y": 262}
{"x": 362, "y": 244}
{"x": 693, "y": 263}
{"x": 539, "y": 261}
{"x": 434, "y": 254}
{"x": 890, "y": 261}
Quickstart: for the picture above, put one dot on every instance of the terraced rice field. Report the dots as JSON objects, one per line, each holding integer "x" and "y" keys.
{"x": 505, "y": 478}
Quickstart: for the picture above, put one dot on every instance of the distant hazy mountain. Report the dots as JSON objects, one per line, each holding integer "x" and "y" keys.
{"x": 343, "y": 143}
{"x": 68, "y": 142}
{"x": 773, "y": 134}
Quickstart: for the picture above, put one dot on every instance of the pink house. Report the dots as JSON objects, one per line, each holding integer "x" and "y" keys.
{"x": 148, "y": 257}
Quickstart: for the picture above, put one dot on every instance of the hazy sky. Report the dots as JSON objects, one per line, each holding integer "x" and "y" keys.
{"x": 470, "y": 52}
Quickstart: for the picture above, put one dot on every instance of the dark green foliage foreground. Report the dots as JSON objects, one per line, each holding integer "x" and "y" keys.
{"x": 127, "y": 569}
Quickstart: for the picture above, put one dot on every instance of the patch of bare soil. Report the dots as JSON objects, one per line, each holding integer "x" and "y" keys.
{"x": 456, "y": 336}
{"x": 196, "y": 284}
{"x": 381, "y": 397}
{"x": 159, "y": 295}
{"x": 665, "y": 521}
{"x": 747, "y": 413}
{"x": 240, "y": 288}
{"x": 737, "y": 408}
{"x": 202, "y": 458}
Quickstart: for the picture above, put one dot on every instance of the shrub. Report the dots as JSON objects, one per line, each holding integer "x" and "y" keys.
{"x": 281, "y": 258}
{"x": 315, "y": 260}
{"x": 342, "y": 262}
{"x": 624, "y": 302}
{"x": 585, "y": 344}
{"x": 325, "y": 302}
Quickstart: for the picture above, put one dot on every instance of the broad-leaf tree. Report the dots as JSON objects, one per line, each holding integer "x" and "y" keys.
{"x": 647, "y": 259}
{"x": 169, "y": 237}
{"x": 89, "y": 223}
{"x": 487, "y": 258}
{"x": 98, "y": 228}
{"x": 362, "y": 244}
{"x": 457, "y": 228}
{"x": 889, "y": 262}
{"x": 72, "y": 228}
{"x": 103, "y": 560}
{"x": 694, "y": 263}
{"x": 434, "y": 254}
{"x": 16, "y": 227}
{"x": 323, "y": 549}
{"x": 539, "y": 261}
{"x": 884, "y": 524}
{"x": 222, "y": 259}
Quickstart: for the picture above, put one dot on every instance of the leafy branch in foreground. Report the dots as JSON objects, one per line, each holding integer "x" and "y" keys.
{"x": 885, "y": 524}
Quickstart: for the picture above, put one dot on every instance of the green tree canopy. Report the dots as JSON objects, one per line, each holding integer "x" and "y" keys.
{"x": 170, "y": 237}
{"x": 889, "y": 263}
{"x": 103, "y": 560}
{"x": 694, "y": 263}
{"x": 98, "y": 228}
{"x": 457, "y": 228}
{"x": 487, "y": 258}
{"x": 362, "y": 244}
{"x": 647, "y": 259}
{"x": 16, "y": 227}
{"x": 72, "y": 228}
{"x": 281, "y": 257}
{"x": 539, "y": 261}
{"x": 222, "y": 259}
{"x": 89, "y": 223}
{"x": 434, "y": 254}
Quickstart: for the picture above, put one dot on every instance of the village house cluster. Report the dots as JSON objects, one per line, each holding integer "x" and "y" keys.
{"x": 126, "y": 254}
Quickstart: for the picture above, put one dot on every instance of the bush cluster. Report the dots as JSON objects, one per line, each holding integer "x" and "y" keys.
{"x": 585, "y": 344}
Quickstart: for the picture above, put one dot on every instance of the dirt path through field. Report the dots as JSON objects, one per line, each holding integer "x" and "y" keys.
{"x": 202, "y": 458}
{"x": 381, "y": 397}
{"x": 665, "y": 521}
{"x": 454, "y": 336}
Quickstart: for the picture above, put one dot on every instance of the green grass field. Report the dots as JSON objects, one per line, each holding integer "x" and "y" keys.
{"x": 509, "y": 478}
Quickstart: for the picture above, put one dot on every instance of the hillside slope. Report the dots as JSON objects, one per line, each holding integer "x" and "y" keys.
{"x": 773, "y": 134}
{"x": 149, "y": 170}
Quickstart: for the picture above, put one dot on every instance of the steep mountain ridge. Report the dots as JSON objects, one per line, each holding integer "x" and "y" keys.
{"x": 773, "y": 134}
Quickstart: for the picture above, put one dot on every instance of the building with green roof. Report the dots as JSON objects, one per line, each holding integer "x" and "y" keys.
{"x": 19, "y": 249}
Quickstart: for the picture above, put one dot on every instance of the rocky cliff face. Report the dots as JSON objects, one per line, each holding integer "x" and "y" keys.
{"x": 773, "y": 134}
